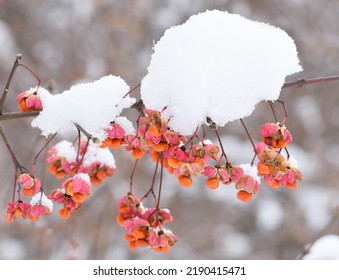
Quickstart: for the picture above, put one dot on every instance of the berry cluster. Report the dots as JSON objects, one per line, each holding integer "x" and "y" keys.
{"x": 145, "y": 226}
{"x": 72, "y": 193}
{"x": 97, "y": 162}
{"x": 40, "y": 205}
{"x": 273, "y": 166}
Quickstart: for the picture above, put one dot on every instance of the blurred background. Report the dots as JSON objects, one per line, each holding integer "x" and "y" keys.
{"x": 66, "y": 42}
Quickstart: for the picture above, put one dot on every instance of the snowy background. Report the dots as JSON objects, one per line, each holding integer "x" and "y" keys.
{"x": 66, "y": 42}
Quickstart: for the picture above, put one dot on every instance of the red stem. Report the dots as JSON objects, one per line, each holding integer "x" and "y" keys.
{"x": 83, "y": 155}
{"x": 38, "y": 154}
{"x": 130, "y": 91}
{"x": 132, "y": 174}
{"x": 153, "y": 180}
{"x": 160, "y": 183}
{"x": 223, "y": 154}
{"x": 14, "y": 160}
{"x": 249, "y": 137}
{"x": 32, "y": 72}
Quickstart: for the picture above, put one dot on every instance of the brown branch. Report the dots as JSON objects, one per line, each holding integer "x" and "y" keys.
{"x": 303, "y": 81}
{"x": 139, "y": 106}
{"x": 87, "y": 134}
{"x": 4, "y": 93}
{"x": 18, "y": 115}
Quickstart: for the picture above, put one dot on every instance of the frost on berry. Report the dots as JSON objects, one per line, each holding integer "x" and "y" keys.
{"x": 248, "y": 183}
{"x": 62, "y": 159}
{"x": 98, "y": 163}
{"x": 40, "y": 206}
{"x": 115, "y": 136}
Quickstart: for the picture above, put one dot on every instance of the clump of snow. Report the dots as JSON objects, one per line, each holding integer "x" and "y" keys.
{"x": 91, "y": 105}
{"x": 217, "y": 65}
{"x": 84, "y": 177}
{"x": 250, "y": 171}
{"x": 325, "y": 248}
{"x": 125, "y": 124}
{"x": 66, "y": 150}
{"x": 96, "y": 154}
{"x": 43, "y": 200}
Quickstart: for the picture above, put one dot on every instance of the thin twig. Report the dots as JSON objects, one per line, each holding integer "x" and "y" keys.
{"x": 285, "y": 110}
{"x": 132, "y": 175}
{"x": 87, "y": 134}
{"x": 223, "y": 154}
{"x": 273, "y": 111}
{"x": 249, "y": 137}
{"x": 160, "y": 183}
{"x": 150, "y": 190}
{"x": 9, "y": 80}
{"x": 16, "y": 164}
{"x": 303, "y": 81}
{"x": 83, "y": 155}
{"x": 129, "y": 92}
{"x": 14, "y": 186}
{"x": 32, "y": 72}
{"x": 38, "y": 154}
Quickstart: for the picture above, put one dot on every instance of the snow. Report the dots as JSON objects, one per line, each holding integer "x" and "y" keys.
{"x": 96, "y": 154}
{"x": 125, "y": 124}
{"x": 250, "y": 171}
{"x": 44, "y": 201}
{"x": 91, "y": 105}
{"x": 218, "y": 65}
{"x": 325, "y": 248}
{"x": 84, "y": 177}
{"x": 66, "y": 150}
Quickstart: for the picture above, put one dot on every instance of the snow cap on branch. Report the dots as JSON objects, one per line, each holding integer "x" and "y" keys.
{"x": 91, "y": 105}
{"x": 217, "y": 65}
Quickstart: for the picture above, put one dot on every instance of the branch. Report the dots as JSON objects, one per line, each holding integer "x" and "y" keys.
{"x": 87, "y": 134}
{"x": 4, "y": 93}
{"x": 303, "y": 81}
{"x": 18, "y": 115}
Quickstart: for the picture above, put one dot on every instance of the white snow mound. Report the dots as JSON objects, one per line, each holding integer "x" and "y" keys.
{"x": 218, "y": 65}
{"x": 91, "y": 105}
